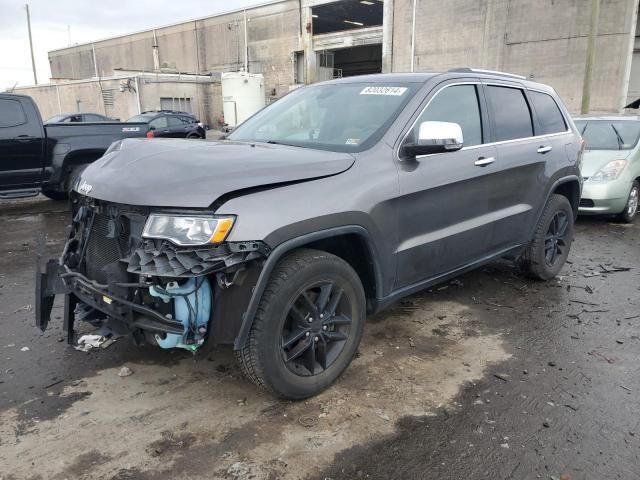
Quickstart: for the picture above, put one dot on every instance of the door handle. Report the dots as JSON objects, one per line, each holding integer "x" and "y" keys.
{"x": 165, "y": 131}
{"x": 24, "y": 138}
{"x": 545, "y": 149}
{"x": 484, "y": 161}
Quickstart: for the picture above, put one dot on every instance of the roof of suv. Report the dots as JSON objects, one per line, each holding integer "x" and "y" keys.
{"x": 423, "y": 77}
{"x": 608, "y": 117}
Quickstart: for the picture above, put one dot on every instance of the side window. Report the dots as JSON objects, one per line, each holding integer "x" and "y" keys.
{"x": 174, "y": 122}
{"x": 11, "y": 113}
{"x": 457, "y": 104}
{"x": 160, "y": 122}
{"x": 549, "y": 115}
{"x": 511, "y": 114}
{"x": 93, "y": 118}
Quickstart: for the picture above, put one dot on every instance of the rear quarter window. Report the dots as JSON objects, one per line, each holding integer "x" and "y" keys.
{"x": 511, "y": 114}
{"x": 11, "y": 113}
{"x": 549, "y": 116}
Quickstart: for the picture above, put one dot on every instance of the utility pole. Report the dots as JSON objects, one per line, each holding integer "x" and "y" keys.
{"x": 591, "y": 54}
{"x": 33, "y": 62}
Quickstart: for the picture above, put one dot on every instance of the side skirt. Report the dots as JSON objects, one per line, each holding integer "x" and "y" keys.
{"x": 381, "y": 303}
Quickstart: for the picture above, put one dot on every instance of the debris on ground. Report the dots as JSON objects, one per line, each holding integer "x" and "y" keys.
{"x": 25, "y": 349}
{"x": 26, "y": 308}
{"x": 102, "y": 338}
{"x": 125, "y": 372}
{"x": 240, "y": 470}
{"x": 614, "y": 269}
{"x": 308, "y": 421}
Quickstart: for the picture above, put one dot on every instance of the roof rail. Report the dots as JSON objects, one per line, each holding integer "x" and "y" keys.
{"x": 489, "y": 72}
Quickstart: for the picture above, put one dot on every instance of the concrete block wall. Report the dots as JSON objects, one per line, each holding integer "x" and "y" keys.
{"x": 62, "y": 97}
{"x": 212, "y": 44}
{"x": 545, "y": 40}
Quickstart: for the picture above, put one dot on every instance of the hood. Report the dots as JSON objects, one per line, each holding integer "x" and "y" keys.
{"x": 194, "y": 173}
{"x": 594, "y": 160}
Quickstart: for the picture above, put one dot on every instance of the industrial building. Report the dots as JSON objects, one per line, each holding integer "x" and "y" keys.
{"x": 294, "y": 42}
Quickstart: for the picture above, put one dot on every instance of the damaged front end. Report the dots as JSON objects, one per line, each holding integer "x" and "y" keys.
{"x": 126, "y": 266}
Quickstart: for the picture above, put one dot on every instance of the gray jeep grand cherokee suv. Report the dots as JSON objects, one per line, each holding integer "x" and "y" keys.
{"x": 323, "y": 208}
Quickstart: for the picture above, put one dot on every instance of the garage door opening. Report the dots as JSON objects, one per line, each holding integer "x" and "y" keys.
{"x": 363, "y": 60}
{"x": 344, "y": 15}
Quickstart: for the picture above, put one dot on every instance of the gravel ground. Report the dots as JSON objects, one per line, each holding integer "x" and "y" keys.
{"x": 489, "y": 376}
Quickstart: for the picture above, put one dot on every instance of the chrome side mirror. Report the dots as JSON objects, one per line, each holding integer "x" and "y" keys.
{"x": 436, "y": 137}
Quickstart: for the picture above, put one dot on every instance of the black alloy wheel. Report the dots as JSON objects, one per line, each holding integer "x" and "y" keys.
{"x": 307, "y": 327}
{"x": 546, "y": 253}
{"x": 555, "y": 241}
{"x": 316, "y": 329}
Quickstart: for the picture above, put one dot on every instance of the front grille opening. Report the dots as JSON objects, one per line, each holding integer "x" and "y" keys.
{"x": 586, "y": 202}
{"x": 107, "y": 243}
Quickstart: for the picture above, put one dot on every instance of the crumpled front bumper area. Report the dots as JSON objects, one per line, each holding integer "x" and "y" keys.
{"x": 108, "y": 271}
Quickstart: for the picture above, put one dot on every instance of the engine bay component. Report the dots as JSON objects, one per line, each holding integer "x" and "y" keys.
{"x": 192, "y": 302}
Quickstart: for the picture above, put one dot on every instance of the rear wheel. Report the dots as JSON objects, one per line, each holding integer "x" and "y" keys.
{"x": 308, "y": 325}
{"x": 194, "y": 136}
{"x": 67, "y": 185}
{"x": 544, "y": 257}
{"x": 633, "y": 203}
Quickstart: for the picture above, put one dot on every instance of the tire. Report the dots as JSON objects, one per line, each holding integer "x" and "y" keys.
{"x": 284, "y": 316}
{"x": 67, "y": 184}
{"x": 539, "y": 260}
{"x": 55, "y": 195}
{"x": 631, "y": 208}
{"x": 194, "y": 136}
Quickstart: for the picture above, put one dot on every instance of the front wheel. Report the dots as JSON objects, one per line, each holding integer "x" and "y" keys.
{"x": 544, "y": 257}
{"x": 307, "y": 327}
{"x": 633, "y": 203}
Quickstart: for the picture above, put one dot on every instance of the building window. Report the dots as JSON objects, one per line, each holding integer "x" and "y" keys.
{"x": 298, "y": 67}
{"x": 180, "y": 104}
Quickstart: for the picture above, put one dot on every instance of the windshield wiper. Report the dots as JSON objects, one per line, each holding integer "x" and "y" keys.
{"x": 618, "y": 136}
{"x": 274, "y": 142}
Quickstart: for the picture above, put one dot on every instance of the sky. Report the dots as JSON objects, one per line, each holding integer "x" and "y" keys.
{"x": 60, "y": 23}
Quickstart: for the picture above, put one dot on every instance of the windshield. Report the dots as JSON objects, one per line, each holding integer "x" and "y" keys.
{"x": 346, "y": 117}
{"x": 609, "y": 135}
{"x": 144, "y": 117}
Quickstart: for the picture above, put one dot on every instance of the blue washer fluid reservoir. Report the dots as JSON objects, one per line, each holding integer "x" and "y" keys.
{"x": 191, "y": 306}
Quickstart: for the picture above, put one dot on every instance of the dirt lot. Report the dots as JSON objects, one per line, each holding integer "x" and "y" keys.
{"x": 489, "y": 376}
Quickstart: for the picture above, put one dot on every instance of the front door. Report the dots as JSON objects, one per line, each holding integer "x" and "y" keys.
{"x": 21, "y": 146}
{"x": 443, "y": 205}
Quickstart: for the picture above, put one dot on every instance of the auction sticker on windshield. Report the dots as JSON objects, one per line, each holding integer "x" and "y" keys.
{"x": 394, "y": 91}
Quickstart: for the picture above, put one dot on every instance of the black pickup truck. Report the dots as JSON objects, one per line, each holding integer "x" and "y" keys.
{"x": 47, "y": 158}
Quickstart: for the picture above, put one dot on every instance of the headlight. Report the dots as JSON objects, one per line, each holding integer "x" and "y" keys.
{"x": 188, "y": 230}
{"x": 610, "y": 171}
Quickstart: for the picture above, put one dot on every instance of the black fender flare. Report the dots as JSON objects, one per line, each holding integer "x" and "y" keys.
{"x": 287, "y": 246}
{"x": 556, "y": 184}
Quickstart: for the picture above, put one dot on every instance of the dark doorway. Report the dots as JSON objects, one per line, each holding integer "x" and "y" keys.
{"x": 346, "y": 15}
{"x": 358, "y": 61}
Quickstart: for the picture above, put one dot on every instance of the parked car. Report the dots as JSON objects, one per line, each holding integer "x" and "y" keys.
{"x": 36, "y": 157}
{"x": 611, "y": 166}
{"x": 166, "y": 123}
{"x": 79, "y": 118}
{"x": 281, "y": 239}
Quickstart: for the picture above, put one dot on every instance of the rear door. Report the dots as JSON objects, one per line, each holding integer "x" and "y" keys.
{"x": 443, "y": 204}
{"x": 178, "y": 128}
{"x": 520, "y": 180}
{"x": 160, "y": 126}
{"x": 21, "y": 143}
